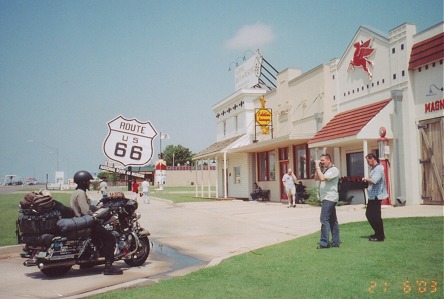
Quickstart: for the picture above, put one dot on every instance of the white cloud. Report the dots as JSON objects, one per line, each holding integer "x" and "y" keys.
{"x": 251, "y": 37}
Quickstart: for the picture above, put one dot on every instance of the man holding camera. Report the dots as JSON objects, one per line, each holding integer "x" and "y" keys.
{"x": 377, "y": 191}
{"x": 328, "y": 174}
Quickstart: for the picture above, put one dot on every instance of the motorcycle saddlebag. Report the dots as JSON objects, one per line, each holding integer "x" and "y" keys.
{"x": 37, "y": 240}
{"x": 38, "y": 224}
{"x": 75, "y": 224}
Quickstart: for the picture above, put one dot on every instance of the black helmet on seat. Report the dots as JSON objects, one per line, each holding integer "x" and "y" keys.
{"x": 82, "y": 179}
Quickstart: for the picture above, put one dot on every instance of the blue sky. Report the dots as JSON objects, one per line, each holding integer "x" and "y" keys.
{"x": 69, "y": 67}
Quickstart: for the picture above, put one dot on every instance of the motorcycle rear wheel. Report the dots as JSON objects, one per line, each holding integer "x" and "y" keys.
{"x": 138, "y": 258}
{"x": 56, "y": 271}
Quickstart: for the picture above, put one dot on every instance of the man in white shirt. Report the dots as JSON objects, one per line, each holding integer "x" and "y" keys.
{"x": 328, "y": 174}
{"x": 289, "y": 180}
{"x": 146, "y": 191}
{"x": 103, "y": 187}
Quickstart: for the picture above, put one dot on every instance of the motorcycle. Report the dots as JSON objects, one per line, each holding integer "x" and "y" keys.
{"x": 57, "y": 250}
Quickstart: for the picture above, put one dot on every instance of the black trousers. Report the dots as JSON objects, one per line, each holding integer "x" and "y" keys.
{"x": 107, "y": 240}
{"x": 373, "y": 214}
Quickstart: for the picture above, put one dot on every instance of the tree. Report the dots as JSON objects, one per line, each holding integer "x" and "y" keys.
{"x": 110, "y": 176}
{"x": 177, "y": 154}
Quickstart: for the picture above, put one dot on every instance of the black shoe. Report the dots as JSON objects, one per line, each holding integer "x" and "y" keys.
{"x": 323, "y": 247}
{"x": 111, "y": 270}
{"x": 374, "y": 239}
{"x": 334, "y": 245}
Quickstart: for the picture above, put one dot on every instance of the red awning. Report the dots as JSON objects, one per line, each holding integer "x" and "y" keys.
{"x": 428, "y": 50}
{"x": 348, "y": 123}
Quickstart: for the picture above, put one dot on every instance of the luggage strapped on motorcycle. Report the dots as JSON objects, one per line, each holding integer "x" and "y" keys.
{"x": 37, "y": 217}
{"x": 37, "y": 202}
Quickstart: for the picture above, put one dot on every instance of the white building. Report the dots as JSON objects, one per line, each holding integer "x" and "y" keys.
{"x": 393, "y": 81}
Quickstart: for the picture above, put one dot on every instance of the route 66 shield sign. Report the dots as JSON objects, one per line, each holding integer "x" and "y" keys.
{"x": 129, "y": 141}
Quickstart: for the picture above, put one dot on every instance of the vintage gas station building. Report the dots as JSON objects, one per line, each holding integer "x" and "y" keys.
{"x": 392, "y": 83}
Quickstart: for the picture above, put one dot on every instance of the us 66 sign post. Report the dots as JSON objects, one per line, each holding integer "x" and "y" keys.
{"x": 129, "y": 141}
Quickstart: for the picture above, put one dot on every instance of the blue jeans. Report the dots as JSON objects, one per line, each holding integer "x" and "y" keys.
{"x": 329, "y": 223}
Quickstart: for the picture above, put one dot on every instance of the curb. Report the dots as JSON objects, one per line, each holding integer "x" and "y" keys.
{"x": 7, "y": 252}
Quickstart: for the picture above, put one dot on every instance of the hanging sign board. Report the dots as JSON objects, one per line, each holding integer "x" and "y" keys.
{"x": 263, "y": 117}
{"x": 129, "y": 141}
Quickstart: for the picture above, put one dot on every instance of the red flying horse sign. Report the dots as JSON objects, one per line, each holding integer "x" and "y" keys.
{"x": 360, "y": 57}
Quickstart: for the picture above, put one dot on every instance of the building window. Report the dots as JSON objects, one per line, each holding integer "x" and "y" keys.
{"x": 304, "y": 162}
{"x": 225, "y": 128}
{"x": 434, "y": 64}
{"x": 283, "y": 154}
{"x": 237, "y": 175}
{"x": 393, "y": 51}
{"x": 419, "y": 70}
{"x": 394, "y": 76}
{"x": 383, "y": 81}
{"x": 333, "y": 77}
{"x": 403, "y": 73}
{"x": 427, "y": 67}
{"x": 402, "y": 47}
{"x": 266, "y": 166}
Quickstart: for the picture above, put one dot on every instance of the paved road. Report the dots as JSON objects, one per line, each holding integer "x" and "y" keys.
{"x": 206, "y": 231}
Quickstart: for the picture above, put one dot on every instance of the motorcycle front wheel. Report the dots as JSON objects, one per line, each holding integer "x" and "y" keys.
{"x": 139, "y": 257}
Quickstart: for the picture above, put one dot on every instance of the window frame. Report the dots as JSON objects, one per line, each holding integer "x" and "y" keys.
{"x": 269, "y": 159}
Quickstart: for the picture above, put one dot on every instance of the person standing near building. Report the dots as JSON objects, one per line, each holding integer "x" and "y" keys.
{"x": 146, "y": 191}
{"x": 377, "y": 191}
{"x": 328, "y": 174}
{"x": 103, "y": 187}
{"x": 135, "y": 189}
{"x": 289, "y": 180}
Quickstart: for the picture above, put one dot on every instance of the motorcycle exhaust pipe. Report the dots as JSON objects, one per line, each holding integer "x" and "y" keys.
{"x": 58, "y": 264}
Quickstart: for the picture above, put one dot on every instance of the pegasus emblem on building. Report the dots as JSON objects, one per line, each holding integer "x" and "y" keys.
{"x": 360, "y": 57}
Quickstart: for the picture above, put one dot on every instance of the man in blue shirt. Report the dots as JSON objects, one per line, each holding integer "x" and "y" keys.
{"x": 377, "y": 191}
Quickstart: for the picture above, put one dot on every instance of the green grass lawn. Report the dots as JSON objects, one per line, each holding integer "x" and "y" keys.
{"x": 409, "y": 264}
{"x": 179, "y": 197}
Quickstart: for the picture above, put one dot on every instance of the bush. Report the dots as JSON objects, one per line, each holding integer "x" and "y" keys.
{"x": 315, "y": 200}
{"x": 95, "y": 184}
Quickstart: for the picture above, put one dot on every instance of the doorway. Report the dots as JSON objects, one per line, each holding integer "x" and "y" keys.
{"x": 432, "y": 160}
{"x": 283, "y": 168}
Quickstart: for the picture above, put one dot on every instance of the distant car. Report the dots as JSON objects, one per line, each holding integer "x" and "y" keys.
{"x": 31, "y": 181}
